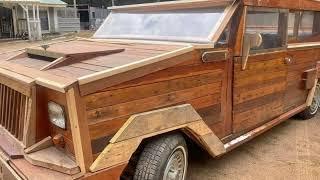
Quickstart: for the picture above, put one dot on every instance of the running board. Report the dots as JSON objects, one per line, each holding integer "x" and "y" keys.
{"x": 261, "y": 129}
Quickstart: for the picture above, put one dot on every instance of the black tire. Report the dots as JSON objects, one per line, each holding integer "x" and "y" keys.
{"x": 308, "y": 113}
{"x": 312, "y": 110}
{"x": 155, "y": 156}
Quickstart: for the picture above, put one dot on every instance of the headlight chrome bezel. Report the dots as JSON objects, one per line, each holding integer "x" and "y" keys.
{"x": 57, "y": 115}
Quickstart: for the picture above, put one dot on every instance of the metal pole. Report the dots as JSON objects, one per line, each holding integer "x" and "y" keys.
{"x": 39, "y": 23}
{"x": 28, "y": 22}
{"x": 112, "y": 2}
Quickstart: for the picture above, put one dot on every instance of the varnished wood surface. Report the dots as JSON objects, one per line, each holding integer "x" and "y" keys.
{"x": 258, "y": 91}
{"x": 301, "y": 61}
{"x": 54, "y": 159}
{"x": 79, "y": 129}
{"x": 82, "y": 61}
{"x": 200, "y": 84}
{"x": 75, "y": 68}
{"x": 287, "y": 4}
{"x": 29, "y": 171}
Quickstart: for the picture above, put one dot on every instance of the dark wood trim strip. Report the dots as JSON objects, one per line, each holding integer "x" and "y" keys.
{"x": 256, "y": 132}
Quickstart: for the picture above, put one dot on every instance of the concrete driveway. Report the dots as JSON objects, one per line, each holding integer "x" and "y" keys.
{"x": 288, "y": 151}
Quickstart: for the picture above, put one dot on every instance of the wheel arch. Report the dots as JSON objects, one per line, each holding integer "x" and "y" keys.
{"x": 144, "y": 126}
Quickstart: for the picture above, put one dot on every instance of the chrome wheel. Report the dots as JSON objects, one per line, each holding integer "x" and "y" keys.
{"x": 315, "y": 101}
{"x": 177, "y": 165}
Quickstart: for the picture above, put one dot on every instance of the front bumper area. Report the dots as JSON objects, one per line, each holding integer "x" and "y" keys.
{"x": 20, "y": 169}
{"x": 6, "y": 171}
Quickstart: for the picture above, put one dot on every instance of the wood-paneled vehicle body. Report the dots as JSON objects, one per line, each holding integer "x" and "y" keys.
{"x": 215, "y": 73}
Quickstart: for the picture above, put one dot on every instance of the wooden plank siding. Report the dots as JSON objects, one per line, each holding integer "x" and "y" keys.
{"x": 258, "y": 91}
{"x": 194, "y": 82}
{"x": 301, "y": 61}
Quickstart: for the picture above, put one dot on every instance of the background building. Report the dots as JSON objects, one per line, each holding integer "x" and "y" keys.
{"x": 34, "y": 18}
{"x": 93, "y": 12}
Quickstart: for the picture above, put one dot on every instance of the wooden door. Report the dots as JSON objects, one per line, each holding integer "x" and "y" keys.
{"x": 258, "y": 91}
{"x": 259, "y": 88}
{"x": 305, "y": 29}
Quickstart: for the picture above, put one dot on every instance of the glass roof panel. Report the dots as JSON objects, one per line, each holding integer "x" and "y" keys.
{"x": 193, "y": 25}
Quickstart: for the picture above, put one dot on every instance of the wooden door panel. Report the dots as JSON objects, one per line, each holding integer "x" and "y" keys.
{"x": 301, "y": 61}
{"x": 258, "y": 91}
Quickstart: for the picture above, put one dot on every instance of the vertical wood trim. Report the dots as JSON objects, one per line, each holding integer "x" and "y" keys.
{"x": 229, "y": 96}
{"x": 297, "y": 18}
{"x": 283, "y": 27}
{"x": 79, "y": 129}
{"x": 29, "y": 135}
{"x": 240, "y": 33}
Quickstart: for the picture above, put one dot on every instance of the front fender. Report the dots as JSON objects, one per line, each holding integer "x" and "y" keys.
{"x": 149, "y": 124}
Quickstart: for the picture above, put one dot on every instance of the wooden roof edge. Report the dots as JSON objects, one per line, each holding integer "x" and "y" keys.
{"x": 53, "y": 85}
{"x": 117, "y": 70}
{"x": 172, "y": 5}
{"x": 312, "y": 5}
{"x": 41, "y": 78}
{"x": 152, "y": 42}
{"x": 16, "y": 76}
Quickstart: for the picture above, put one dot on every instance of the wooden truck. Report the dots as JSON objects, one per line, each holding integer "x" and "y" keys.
{"x": 155, "y": 79}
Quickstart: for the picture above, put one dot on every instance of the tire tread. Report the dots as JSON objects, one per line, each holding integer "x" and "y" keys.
{"x": 152, "y": 156}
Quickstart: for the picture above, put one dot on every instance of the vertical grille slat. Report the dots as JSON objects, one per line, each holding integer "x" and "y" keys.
{"x": 13, "y": 110}
{"x": 6, "y": 104}
{"x": 1, "y": 103}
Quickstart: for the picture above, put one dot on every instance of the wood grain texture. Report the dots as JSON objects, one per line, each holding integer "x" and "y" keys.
{"x": 127, "y": 72}
{"x": 149, "y": 124}
{"x": 112, "y": 173}
{"x": 16, "y": 81}
{"x": 29, "y": 133}
{"x": 191, "y": 82}
{"x": 302, "y": 60}
{"x": 52, "y": 158}
{"x": 79, "y": 129}
{"x": 54, "y": 81}
{"x": 7, "y": 172}
{"x": 45, "y": 143}
{"x": 10, "y": 145}
{"x": 308, "y": 77}
{"x": 29, "y": 171}
{"x": 158, "y": 120}
{"x": 287, "y": 4}
{"x": 258, "y": 91}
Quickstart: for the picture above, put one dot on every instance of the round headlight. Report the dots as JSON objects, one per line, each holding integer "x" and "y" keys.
{"x": 56, "y": 115}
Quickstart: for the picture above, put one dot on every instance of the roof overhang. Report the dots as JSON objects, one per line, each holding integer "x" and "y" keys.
{"x": 19, "y": 1}
{"x": 45, "y": 3}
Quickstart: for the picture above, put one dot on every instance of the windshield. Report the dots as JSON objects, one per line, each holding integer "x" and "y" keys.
{"x": 195, "y": 25}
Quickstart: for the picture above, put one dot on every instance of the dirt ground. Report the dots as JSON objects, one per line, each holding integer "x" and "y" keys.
{"x": 288, "y": 151}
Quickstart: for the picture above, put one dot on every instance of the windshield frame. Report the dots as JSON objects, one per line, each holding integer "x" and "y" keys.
{"x": 212, "y": 38}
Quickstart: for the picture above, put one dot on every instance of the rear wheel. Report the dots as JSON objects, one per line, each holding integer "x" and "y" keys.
{"x": 312, "y": 110}
{"x": 164, "y": 158}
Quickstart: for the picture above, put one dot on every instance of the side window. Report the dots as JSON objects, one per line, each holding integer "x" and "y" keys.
{"x": 224, "y": 38}
{"x": 304, "y": 26}
{"x": 270, "y": 23}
